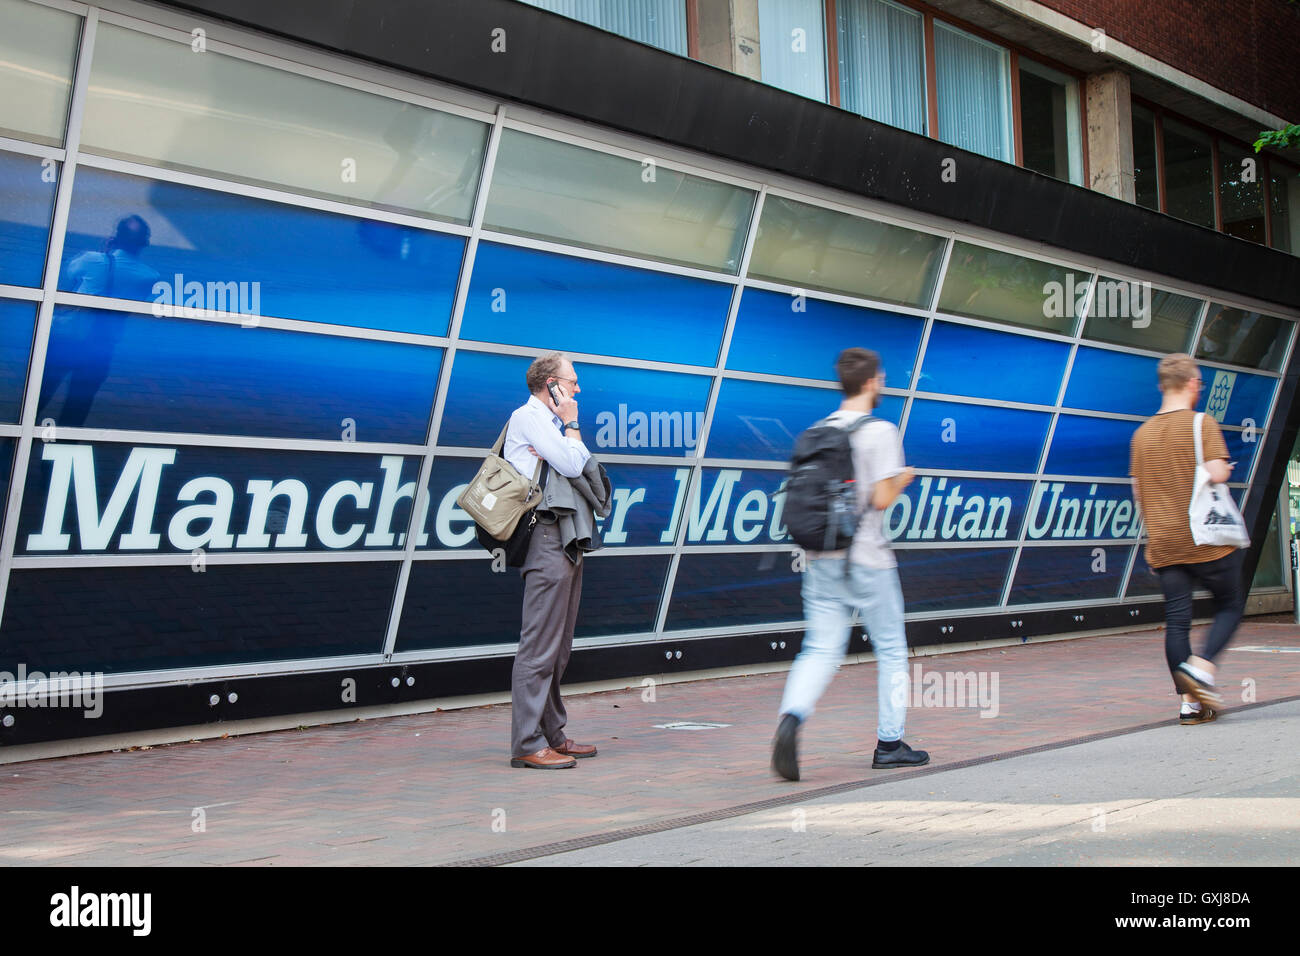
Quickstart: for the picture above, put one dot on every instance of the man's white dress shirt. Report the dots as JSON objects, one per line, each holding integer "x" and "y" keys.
{"x": 534, "y": 424}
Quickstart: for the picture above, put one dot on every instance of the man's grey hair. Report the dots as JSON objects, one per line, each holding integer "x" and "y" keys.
{"x": 544, "y": 367}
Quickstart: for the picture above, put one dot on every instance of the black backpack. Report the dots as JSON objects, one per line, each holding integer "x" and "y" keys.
{"x": 821, "y": 511}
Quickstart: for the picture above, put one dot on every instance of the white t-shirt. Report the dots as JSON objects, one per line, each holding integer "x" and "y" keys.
{"x": 877, "y": 454}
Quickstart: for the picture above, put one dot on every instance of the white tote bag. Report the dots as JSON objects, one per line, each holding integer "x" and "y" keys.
{"x": 1213, "y": 514}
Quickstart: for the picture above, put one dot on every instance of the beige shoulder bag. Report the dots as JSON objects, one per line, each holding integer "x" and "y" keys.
{"x": 499, "y": 495}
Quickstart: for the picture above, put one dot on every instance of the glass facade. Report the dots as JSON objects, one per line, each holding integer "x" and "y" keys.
{"x": 1049, "y": 122}
{"x": 259, "y": 391}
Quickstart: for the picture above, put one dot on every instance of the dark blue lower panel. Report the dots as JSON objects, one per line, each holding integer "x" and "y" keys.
{"x": 146, "y": 618}
{"x": 463, "y": 603}
{"x": 719, "y": 590}
{"x": 937, "y": 580}
{"x": 1082, "y": 573}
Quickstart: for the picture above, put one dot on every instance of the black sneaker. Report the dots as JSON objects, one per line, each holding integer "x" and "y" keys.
{"x": 785, "y": 752}
{"x": 900, "y": 756}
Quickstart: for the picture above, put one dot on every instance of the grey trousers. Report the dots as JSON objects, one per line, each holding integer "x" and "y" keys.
{"x": 552, "y": 591}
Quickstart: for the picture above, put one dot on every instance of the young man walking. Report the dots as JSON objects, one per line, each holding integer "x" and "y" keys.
{"x": 863, "y": 577}
{"x": 1163, "y": 464}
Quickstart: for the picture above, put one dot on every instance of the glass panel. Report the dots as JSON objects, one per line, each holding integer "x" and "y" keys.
{"x": 157, "y": 101}
{"x": 38, "y": 52}
{"x": 625, "y": 410}
{"x": 123, "y": 370}
{"x": 1090, "y": 446}
{"x": 646, "y": 498}
{"x": 814, "y": 248}
{"x": 1068, "y": 574}
{"x": 800, "y": 336}
{"x": 1142, "y": 580}
{"x": 27, "y": 187}
{"x": 1063, "y": 510}
{"x": 987, "y": 284}
{"x": 960, "y": 437}
{"x": 620, "y": 595}
{"x": 945, "y": 580}
{"x": 1106, "y": 381}
{"x": 110, "y": 498}
{"x": 1049, "y": 122}
{"x": 1134, "y": 313}
{"x": 181, "y": 246}
{"x": 148, "y": 618}
{"x": 1146, "y": 180}
{"x": 1268, "y": 573}
{"x": 1188, "y": 177}
{"x": 882, "y": 62}
{"x": 974, "y": 88}
{"x": 660, "y": 23}
{"x": 961, "y": 360}
{"x": 1244, "y": 338}
{"x": 552, "y": 190}
{"x": 549, "y": 301}
{"x": 1284, "y": 206}
{"x": 1237, "y": 398}
{"x": 716, "y": 590}
{"x": 17, "y": 322}
{"x": 935, "y": 509}
{"x": 1241, "y": 192}
{"x": 760, "y": 420}
{"x": 792, "y": 46}
{"x": 730, "y": 506}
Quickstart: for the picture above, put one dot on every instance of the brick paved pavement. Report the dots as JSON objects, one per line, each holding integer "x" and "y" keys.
{"x": 428, "y": 788}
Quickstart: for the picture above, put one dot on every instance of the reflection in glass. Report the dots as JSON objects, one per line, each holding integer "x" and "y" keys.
{"x": 552, "y": 190}
{"x": 1188, "y": 176}
{"x": 1134, "y": 313}
{"x": 1146, "y": 180}
{"x": 1241, "y": 193}
{"x": 814, "y": 248}
{"x": 1284, "y": 206}
{"x": 1244, "y": 338}
{"x": 1003, "y": 287}
{"x": 38, "y": 50}
{"x": 224, "y": 252}
{"x": 109, "y": 369}
{"x": 1049, "y": 122}
{"x": 155, "y": 100}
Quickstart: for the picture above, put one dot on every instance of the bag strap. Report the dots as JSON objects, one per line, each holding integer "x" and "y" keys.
{"x": 1196, "y": 437}
{"x": 500, "y": 444}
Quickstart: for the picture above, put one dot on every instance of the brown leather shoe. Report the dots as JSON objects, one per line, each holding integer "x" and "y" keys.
{"x": 544, "y": 759}
{"x": 576, "y": 750}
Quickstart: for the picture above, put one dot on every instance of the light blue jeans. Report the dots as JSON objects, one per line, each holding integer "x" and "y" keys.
{"x": 828, "y": 600}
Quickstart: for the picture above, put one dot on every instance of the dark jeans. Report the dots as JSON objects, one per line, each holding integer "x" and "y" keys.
{"x": 1222, "y": 578}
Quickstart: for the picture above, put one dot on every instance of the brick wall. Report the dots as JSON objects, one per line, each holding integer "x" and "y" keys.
{"x": 1250, "y": 48}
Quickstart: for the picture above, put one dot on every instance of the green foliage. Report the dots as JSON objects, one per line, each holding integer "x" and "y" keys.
{"x": 1279, "y": 138}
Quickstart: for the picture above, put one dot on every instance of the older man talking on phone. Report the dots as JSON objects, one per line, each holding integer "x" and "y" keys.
{"x": 546, "y": 427}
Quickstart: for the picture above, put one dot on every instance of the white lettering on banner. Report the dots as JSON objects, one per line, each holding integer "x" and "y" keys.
{"x": 75, "y": 465}
{"x": 721, "y": 508}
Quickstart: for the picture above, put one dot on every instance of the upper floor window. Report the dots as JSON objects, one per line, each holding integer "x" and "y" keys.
{"x": 660, "y": 23}
{"x": 792, "y": 46}
{"x": 882, "y": 62}
{"x": 1049, "y": 122}
{"x": 973, "y": 78}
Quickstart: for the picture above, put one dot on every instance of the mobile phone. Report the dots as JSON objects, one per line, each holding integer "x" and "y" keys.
{"x": 557, "y": 396}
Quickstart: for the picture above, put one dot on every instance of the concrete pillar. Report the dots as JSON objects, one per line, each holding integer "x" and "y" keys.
{"x": 1110, "y": 134}
{"x": 729, "y": 35}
